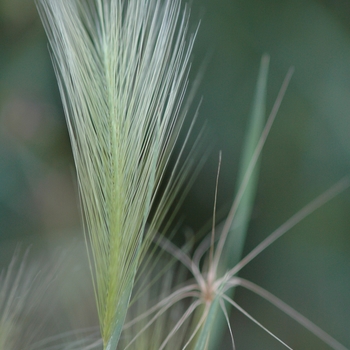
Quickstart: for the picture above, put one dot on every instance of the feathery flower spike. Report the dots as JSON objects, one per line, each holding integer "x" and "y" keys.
{"x": 22, "y": 299}
{"x": 122, "y": 68}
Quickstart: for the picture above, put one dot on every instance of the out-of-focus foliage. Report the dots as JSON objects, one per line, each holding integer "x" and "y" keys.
{"x": 307, "y": 151}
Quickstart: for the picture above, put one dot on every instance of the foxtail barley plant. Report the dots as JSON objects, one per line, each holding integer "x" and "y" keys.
{"x": 122, "y": 68}
{"x": 23, "y": 297}
{"x": 16, "y": 294}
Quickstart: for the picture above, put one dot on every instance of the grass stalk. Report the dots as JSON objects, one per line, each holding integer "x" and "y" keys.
{"x": 236, "y": 237}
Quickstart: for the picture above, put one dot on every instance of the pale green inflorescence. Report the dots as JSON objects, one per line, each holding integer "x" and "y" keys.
{"x": 122, "y": 68}
{"x": 22, "y": 289}
{"x": 14, "y": 294}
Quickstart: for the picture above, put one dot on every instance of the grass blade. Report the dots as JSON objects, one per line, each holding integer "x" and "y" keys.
{"x": 236, "y": 236}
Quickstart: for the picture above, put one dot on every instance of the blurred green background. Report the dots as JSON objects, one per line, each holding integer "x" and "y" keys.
{"x": 308, "y": 150}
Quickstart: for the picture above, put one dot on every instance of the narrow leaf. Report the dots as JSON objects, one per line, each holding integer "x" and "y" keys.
{"x": 237, "y": 233}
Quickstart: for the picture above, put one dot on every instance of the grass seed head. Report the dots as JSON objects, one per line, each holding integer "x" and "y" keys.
{"x": 122, "y": 68}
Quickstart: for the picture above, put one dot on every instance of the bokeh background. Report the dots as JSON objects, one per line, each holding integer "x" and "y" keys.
{"x": 308, "y": 150}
